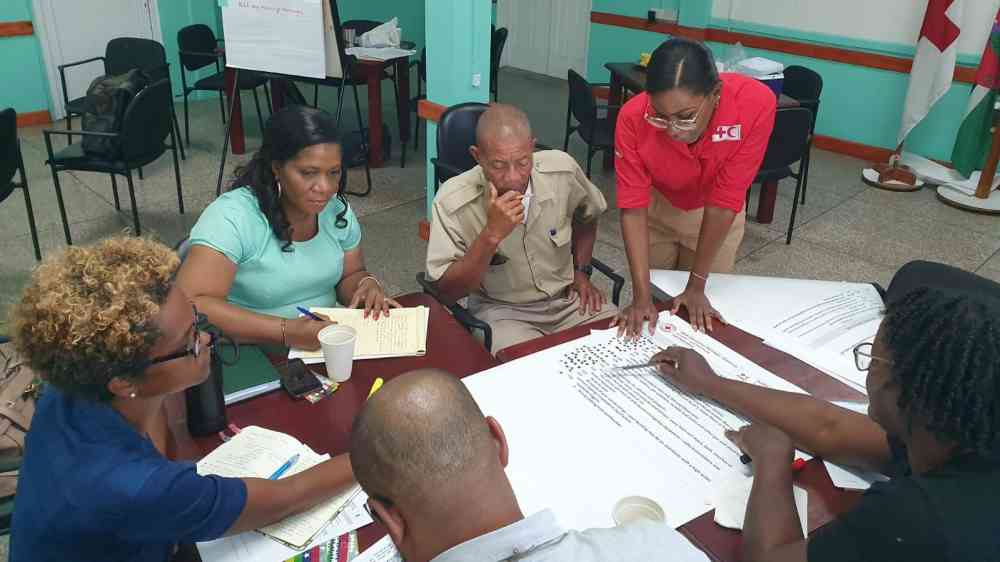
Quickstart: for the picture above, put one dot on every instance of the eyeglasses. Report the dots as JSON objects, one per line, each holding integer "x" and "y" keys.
{"x": 193, "y": 347}
{"x": 671, "y": 122}
{"x": 863, "y": 357}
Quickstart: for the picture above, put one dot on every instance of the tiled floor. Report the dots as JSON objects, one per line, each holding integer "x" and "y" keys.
{"x": 846, "y": 231}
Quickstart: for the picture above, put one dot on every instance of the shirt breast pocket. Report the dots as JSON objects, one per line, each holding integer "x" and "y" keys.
{"x": 562, "y": 235}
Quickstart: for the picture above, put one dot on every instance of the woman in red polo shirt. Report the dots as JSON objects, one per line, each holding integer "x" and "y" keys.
{"x": 686, "y": 152}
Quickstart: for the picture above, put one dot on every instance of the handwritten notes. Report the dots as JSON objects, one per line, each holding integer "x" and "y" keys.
{"x": 400, "y": 334}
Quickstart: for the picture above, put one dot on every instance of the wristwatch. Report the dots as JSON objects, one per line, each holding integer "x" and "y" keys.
{"x": 586, "y": 269}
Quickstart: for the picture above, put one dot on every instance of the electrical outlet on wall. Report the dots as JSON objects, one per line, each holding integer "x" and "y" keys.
{"x": 664, "y": 14}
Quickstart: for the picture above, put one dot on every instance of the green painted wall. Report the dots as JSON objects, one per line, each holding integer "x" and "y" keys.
{"x": 858, "y": 104}
{"x": 22, "y": 71}
{"x": 458, "y": 46}
{"x": 633, "y": 8}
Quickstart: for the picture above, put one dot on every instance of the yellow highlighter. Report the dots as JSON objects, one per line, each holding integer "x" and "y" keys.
{"x": 375, "y": 386}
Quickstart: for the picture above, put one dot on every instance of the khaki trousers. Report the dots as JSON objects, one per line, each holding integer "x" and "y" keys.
{"x": 516, "y": 323}
{"x": 673, "y": 237}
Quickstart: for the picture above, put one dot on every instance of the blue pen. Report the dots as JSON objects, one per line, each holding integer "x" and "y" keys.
{"x": 284, "y": 468}
{"x": 306, "y": 312}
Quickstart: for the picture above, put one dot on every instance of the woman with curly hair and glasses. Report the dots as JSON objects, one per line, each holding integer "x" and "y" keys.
{"x": 113, "y": 338}
{"x": 933, "y": 425}
{"x": 283, "y": 237}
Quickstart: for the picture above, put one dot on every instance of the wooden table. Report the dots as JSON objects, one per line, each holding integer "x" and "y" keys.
{"x": 630, "y": 76}
{"x": 370, "y": 72}
{"x": 326, "y": 425}
{"x": 825, "y": 501}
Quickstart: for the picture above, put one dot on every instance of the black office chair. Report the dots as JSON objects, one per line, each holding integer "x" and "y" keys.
{"x": 140, "y": 141}
{"x": 788, "y": 144}
{"x": 199, "y": 48}
{"x": 498, "y": 40}
{"x": 456, "y": 132}
{"x": 470, "y": 322}
{"x": 594, "y": 130}
{"x": 120, "y": 56}
{"x": 421, "y": 65}
{"x": 805, "y": 86}
{"x": 11, "y": 162}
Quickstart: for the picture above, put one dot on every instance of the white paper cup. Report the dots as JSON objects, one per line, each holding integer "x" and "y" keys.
{"x": 337, "y": 342}
{"x": 635, "y": 508}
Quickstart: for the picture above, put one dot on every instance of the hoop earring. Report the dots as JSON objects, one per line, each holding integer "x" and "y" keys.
{"x": 277, "y": 184}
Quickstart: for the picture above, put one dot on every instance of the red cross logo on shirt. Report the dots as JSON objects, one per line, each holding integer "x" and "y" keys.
{"x": 937, "y": 28}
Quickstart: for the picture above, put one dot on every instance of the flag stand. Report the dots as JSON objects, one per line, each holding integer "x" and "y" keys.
{"x": 892, "y": 176}
{"x": 986, "y": 200}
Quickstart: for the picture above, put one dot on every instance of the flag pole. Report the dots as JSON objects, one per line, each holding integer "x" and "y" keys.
{"x": 990, "y": 169}
{"x": 986, "y": 200}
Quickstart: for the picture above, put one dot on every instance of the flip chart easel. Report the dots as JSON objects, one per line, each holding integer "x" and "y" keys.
{"x": 291, "y": 39}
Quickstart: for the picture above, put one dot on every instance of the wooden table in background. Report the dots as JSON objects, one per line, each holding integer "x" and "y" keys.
{"x": 371, "y": 72}
{"x": 825, "y": 501}
{"x": 630, "y": 76}
{"x": 326, "y": 425}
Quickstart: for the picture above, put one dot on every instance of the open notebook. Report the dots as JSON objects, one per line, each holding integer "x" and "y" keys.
{"x": 401, "y": 334}
{"x": 256, "y": 452}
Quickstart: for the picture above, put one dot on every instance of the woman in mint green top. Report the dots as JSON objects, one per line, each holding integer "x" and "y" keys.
{"x": 283, "y": 237}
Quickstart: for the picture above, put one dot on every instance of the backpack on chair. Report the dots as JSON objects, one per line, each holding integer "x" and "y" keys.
{"x": 107, "y": 99}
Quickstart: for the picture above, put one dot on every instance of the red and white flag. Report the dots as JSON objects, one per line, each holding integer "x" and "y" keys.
{"x": 934, "y": 63}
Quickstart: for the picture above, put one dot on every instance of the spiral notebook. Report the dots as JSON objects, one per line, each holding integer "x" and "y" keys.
{"x": 403, "y": 333}
{"x": 256, "y": 452}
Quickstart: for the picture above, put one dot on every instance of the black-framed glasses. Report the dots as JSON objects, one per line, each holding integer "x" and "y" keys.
{"x": 195, "y": 347}
{"x": 863, "y": 357}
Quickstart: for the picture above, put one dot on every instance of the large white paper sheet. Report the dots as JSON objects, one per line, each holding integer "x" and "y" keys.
{"x": 583, "y": 435}
{"x": 283, "y": 36}
{"x": 819, "y": 322}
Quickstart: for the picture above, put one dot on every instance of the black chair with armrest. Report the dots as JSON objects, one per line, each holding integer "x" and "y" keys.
{"x": 120, "y": 56}
{"x": 593, "y": 129}
{"x": 805, "y": 86}
{"x": 200, "y": 48}
{"x": 788, "y": 144}
{"x": 140, "y": 141}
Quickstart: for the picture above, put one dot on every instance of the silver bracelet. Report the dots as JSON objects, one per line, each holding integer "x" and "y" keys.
{"x": 699, "y": 276}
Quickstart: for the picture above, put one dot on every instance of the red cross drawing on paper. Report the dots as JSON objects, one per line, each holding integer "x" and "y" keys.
{"x": 937, "y": 28}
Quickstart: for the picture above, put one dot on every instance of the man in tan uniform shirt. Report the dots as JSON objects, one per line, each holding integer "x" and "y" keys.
{"x": 516, "y": 233}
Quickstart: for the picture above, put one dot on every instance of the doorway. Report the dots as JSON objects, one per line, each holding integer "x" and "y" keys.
{"x": 70, "y": 31}
{"x": 546, "y": 36}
